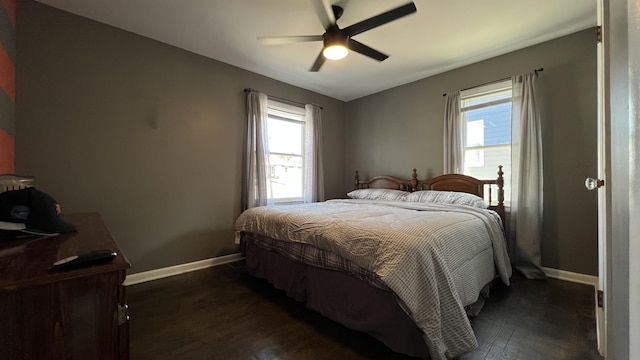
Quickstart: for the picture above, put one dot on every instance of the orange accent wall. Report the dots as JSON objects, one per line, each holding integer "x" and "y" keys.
{"x": 7, "y": 74}
{"x": 10, "y": 6}
{"x": 8, "y": 85}
{"x": 6, "y": 153}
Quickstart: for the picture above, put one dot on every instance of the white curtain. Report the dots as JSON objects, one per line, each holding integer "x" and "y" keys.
{"x": 256, "y": 168}
{"x": 526, "y": 181}
{"x": 453, "y": 135}
{"x": 313, "y": 173}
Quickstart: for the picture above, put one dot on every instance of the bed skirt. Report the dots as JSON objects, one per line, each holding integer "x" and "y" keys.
{"x": 341, "y": 297}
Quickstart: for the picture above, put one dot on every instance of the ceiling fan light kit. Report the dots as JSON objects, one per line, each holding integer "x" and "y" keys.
{"x": 335, "y": 52}
{"x": 337, "y": 42}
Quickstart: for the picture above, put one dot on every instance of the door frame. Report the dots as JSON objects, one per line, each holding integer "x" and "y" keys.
{"x": 603, "y": 193}
{"x": 622, "y": 112}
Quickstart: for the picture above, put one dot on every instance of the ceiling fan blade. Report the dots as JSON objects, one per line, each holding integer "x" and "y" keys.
{"x": 318, "y": 63}
{"x": 381, "y": 19}
{"x": 365, "y": 50}
{"x": 276, "y": 40}
{"x": 325, "y": 13}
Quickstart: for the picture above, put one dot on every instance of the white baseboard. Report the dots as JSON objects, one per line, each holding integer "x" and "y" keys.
{"x": 145, "y": 276}
{"x": 571, "y": 276}
{"x": 150, "y": 275}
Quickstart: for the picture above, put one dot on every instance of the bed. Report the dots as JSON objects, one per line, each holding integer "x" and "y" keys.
{"x": 404, "y": 260}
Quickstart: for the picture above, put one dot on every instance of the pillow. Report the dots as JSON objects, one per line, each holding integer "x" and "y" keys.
{"x": 378, "y": 194}
{"x": 447, "y": 197}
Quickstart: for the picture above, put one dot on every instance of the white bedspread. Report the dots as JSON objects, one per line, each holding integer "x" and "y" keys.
{"x": 413, "y": 248}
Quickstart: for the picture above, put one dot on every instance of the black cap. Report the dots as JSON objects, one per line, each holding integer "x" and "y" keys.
{"x": 31, "y": 211}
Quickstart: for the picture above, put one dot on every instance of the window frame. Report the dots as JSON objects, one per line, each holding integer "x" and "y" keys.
{"x": 281, "y": 111}
{"x": 488, "y": 90}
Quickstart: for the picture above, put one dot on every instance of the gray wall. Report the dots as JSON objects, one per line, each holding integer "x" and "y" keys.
{"x": 146, "y": 134}
{"x": 150, "y": 136}
{"x": 396, "y": 130}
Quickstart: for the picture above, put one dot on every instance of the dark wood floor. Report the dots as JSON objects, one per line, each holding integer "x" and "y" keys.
{"x": 223, "y": 313}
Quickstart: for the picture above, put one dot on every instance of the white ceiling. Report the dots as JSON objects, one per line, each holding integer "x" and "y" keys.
{"x": 442, "y": 35}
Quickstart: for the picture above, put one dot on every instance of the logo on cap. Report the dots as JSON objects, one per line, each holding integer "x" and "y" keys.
{"x": 20, "y": 212}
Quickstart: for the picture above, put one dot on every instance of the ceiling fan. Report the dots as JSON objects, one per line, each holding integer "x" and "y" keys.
{"x": 337, "y": 41}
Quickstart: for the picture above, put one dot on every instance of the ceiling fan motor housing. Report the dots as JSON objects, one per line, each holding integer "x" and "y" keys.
{"x": 334, "y": 37}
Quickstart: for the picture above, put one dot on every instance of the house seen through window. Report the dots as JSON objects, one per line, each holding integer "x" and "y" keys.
{"x": 286, "y": 127}
{"x": 486, "y": 114}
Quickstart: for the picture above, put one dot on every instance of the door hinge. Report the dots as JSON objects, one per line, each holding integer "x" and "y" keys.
{"x": 123, "y": 314}
{"x": 600, "y": 298}
{"x": 598, "y": 33}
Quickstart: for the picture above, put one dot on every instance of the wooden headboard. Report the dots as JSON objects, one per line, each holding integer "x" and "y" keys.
{"x": 388, "y": 182}
{"x": 447, "y": 182}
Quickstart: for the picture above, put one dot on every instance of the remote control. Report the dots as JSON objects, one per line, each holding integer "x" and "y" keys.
{"x": 87, "y": 259}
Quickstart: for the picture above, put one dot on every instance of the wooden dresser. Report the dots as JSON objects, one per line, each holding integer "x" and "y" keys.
{"x": 74, "y": 314}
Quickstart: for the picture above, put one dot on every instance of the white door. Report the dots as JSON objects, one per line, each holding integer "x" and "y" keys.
{"x": 599, "y": 185}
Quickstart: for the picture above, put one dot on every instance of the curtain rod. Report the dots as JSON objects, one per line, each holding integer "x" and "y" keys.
{"x": 248, "y": 90}
{"x": 496, "y": 81}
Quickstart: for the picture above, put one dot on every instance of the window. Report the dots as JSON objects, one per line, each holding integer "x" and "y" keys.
{"x": 286, "y": 129}
{"x": 486, "y": 114}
